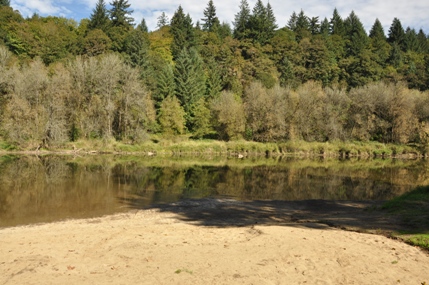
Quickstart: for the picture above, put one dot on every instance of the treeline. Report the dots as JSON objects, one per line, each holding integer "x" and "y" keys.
{"x": 106, "y": 77}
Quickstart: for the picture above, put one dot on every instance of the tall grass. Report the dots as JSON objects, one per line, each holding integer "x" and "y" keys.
{"x": 183, "y": 145}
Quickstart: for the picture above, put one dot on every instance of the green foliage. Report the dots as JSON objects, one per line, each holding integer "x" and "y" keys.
{"x": 120, "y": 13}
{"x": 137, "y": 48}
{"x": 172, "y": 116}
{"x": 202, "y": 121}
{"x": 337, "y": 24}
{"x": 95, "y": 43}
{"x": 356, "y": 35}
{"x": 396, "y": 33}
{"x": 241, "y": 20}
{"x": 326, "y": 76}
{"x": 229, "y": 117}
{"x": 210, "y": 22}
{"x": 99, "y": 18}
{"x": 162, "y": 20}
{"x": 165, "y": 85}
{"x": 182, "y": 32}
{"x": 189, "y": 81}
{"x": 5, "y": 3}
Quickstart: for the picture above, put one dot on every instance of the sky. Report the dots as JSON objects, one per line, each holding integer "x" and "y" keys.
{"x": 412, "y": 13}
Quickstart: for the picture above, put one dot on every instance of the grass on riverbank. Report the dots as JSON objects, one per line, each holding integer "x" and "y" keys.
{"x": 412, "y": 209}
{"x": 183, "y": 145}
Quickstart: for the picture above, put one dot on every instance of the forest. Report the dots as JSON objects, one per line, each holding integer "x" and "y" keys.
{"x": 109, "y": 78}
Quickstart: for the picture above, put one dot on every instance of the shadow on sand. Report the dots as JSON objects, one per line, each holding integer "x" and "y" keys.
{"x": 361, "y": 216}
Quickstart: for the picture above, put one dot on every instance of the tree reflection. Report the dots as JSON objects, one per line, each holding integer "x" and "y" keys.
{"x": 42, "y": 189}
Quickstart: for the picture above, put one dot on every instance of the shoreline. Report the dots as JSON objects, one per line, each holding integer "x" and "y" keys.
{"x": 239, "y": 149}
{"x": 170, "y": 245}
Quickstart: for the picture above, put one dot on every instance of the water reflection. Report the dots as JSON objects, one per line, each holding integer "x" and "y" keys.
{"x": 42, "y": 189}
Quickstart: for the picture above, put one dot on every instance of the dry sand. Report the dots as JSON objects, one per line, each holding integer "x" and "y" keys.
{"x": 162, "y": 247}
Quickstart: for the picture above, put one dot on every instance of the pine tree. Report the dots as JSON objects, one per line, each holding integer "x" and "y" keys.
{"x": 241, "y": 21}
{"x": 291, "y": 23}
{"x": 202, "y": 119}
{"x": 142, "y": 26}
{"x": 210, "y": 22}
{"x": 396, "y": 34}
{"x": 182, "y": 31}
{"x": 137, "y": 48}
{"x": 257, "y": 23}
{"x": 189, "y": 81}
{"x": 314, "y": 26}
{"x": 214, "y": 80}
{"x": 172, "y": 116}
{"x": 120, "y": 13}
{"x": 355, "y": 33}
{"x": 162, "y": 20}
{"x": 410, "y": 40}
{"x": 324, "y": 27}
{"x": 271, "y": 22}
{"x": 165, "y": 86}
{"x": 377, "y": 31}
{"x": 99, "y": 18}
{"x": 302, "y": 26}
{"x": 5, "y": 3}
{"x": 337, "y": 24}
{"x": 379, "y": 44}
{"x": 423, "y": 42}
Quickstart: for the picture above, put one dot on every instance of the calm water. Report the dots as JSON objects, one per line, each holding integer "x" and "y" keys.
{"x": 49, "y": 188}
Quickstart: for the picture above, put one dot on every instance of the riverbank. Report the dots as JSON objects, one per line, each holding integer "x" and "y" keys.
{"x": 209, "y": 242}
{"x": 183, "y": 146}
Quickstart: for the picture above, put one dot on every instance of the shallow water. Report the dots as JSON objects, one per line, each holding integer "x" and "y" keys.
{"x": 37, "y": 189}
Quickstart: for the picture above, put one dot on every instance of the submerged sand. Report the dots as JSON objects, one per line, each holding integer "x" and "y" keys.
{"x": 164, "y": 247}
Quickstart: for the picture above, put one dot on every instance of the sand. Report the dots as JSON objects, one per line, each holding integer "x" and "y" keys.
{"x": 162, "y": 247}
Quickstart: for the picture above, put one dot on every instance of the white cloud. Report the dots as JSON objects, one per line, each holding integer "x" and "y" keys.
{"x": 42, "y": 7}
{"x": 411, "y": 13}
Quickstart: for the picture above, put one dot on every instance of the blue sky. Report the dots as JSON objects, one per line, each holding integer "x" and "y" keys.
{"x": 413, "y": 13}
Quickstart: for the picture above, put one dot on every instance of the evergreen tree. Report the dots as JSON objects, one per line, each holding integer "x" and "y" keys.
{"x": 337, "y": 24}
{"x": 257, "y": 23}
{"x": 377, "y": 31}
{"x": 396, "y": 55}
{"x": 137, "y": 49}
{"x": 162, "y": 20}
{"x": 271, "y": 22}
{"x": 120, "y": 13}
{"x": 5, "y": 3}
{"x": 202, "y": 119}
{"x": 182, "y": 31}
{"x": 262, "y": 23}
{"x": 210, "y": 22}
{"x": 172, "y": 116}
{"x": 302, "y": 29}
{"x": 379, "y": 44}
{"x": 314, "y": 26}
{"x": 165, "y": 85}
{"x": 142, "y": 26}
{"x": 396, "y": 33}
{"x": 423, "y": 42}
{"x": 214, "y": 80}
{"x": 355, "y": 33}
{"x": 411, "y": 42}
{"x": 241, "y": 21}
{"x": 291, "y": 24}
{"x": 324, "y": 27}
{"x": 189, "y": 81}
{"x": 99, "y": 18}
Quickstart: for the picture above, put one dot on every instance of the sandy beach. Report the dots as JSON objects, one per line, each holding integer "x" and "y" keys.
{"x": 161, "y": 246}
